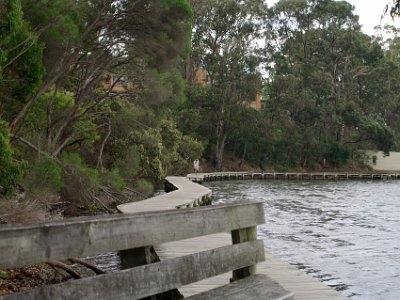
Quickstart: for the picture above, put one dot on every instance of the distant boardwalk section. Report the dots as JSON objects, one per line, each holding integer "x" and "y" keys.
{"x": 200, "y": 177}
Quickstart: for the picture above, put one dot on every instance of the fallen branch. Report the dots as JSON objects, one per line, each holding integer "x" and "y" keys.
{"x": 87, "y": 265}
{"x": 135, "y": 192}
{"x": 109, "y": 193}
{"x": 95, "y": 198}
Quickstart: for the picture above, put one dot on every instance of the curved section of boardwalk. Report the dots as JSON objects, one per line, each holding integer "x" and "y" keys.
{"x": 189, "y": 194}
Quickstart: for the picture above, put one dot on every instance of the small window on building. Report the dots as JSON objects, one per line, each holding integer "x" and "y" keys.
{"x": 374, "y": 158}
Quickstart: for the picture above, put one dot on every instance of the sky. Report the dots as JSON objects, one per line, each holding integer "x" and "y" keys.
{"x": 369, "y": 11}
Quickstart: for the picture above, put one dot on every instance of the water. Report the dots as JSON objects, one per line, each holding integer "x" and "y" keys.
{"x": 346, "y": 233}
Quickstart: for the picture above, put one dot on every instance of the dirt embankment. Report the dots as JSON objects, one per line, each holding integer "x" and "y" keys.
{"x": 22, "y": 279}
{"x": 232, "y": 163}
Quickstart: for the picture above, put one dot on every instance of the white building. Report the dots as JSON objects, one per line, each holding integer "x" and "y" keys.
{"x": 377, "y": 160}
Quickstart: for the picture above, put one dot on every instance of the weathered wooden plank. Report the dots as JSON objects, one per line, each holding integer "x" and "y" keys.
{"x": 254, "y": 287}
{"x": 240, "y": 236}
{"x": 88, "y": 236}
{"x": 303, "y": 285}
{"x": 152, "y": 279}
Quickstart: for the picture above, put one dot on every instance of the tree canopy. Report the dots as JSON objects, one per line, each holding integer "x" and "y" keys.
{"x": 110, "y": 96}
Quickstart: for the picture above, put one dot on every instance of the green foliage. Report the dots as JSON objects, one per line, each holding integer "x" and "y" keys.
{"x": 59, "y": 103}
{"x": 179, "y": 151}
{"x": 80, "y": 181}
{"x": 44, "y": 175}
{"x": 163, "y": 86}
{"x": 144, "y": 187}
{"x": 113, "y": 179}
{"x": 129, "y": 165}
{"x": 3, "y": 274}
{"x": 74, "y": 162}
{"x": 222, "y": 45}
{"x": 323, "y": 83}
{"x": 337, "y": 155}
{"x": 11, "y": 171}
{"x": 379, "y": 133}
{"x": 21, "y": 68}
{"x": 145, "y": 147}
{"x": 47, "y": 115}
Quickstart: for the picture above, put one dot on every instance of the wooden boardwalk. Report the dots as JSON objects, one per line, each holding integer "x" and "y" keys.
{"x": 302, "y": 285}
{"x": 187, "y": 195}
{"x": 200, "y": 177}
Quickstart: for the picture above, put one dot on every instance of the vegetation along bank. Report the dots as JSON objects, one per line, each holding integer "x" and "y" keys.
{"x": 99, "y": 100}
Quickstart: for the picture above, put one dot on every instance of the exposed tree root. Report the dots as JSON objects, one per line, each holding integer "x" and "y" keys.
{"x": 66, "y": 268}
{"x": 87, "y": 265}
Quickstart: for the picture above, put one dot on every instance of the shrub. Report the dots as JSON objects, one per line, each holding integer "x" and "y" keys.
{"x": 129, "y": 165}
{"x": 80, "y": 181}
{"x": 113, "y": 179}
{"x": 45, "y": 174}
{"x": 338, "y": 155}
{"x": 11, "y": 171}
{"x": 144, "y": 187}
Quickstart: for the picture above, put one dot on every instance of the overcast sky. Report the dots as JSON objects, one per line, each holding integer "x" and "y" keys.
{"x": 370, "y": 12}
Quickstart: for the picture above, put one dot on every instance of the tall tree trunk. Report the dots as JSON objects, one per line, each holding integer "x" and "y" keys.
{"x": 103, "y": 144}
{"x": 243, "y": 155}
{"x": 221, "y": 139}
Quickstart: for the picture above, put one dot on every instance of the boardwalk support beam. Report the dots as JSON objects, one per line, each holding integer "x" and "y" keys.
{"x": 241, "y": 236}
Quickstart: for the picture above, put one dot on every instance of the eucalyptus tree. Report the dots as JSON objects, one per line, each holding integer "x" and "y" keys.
{"x": 384, "y": 83}
{"x": 322, "y": 65}
{"x": 54, "y": 56}
{"x": 224, "y": 45}
{"x": 21, "y": 72}
{"x": 83, "y": 42}
{"x": 21, "y": 67}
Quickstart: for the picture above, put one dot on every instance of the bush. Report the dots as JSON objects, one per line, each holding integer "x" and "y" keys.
{"x": 80, "y": 181}
{"x": 129, "y": 165}
{"x": 45, "y": 174}
{"x": 144, "y": 187}
{"x": 11, "y": 171}
{"x": 338, "y": 155}
{"x": 113, "y": 179}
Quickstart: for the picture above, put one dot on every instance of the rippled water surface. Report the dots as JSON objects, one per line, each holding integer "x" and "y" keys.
{"x": 347, "y": 233}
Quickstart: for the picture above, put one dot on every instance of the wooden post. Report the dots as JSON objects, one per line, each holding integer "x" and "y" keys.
{"x": 241, "y": 236}
{"x": 142, "y": 256}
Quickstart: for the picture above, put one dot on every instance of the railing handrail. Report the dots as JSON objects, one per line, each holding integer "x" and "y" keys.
{"x": 23, "y": 245}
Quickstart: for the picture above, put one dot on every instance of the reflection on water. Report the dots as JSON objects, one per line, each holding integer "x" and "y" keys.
{"x": 346, "y": 233}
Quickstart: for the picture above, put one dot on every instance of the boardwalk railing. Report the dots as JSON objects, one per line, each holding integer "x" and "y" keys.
{"x": 25, "y": 245}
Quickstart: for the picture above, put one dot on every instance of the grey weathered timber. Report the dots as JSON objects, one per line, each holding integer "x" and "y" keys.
{"x": 24, "y": 245}
{"x": 304, "y": 286}
{"x": 255, "y": 287}
{"x": 240, "y": 236}
{"x": 154, "y": 278}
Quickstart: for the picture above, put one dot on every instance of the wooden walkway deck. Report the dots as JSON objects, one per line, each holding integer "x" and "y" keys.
{"x": 188, "y": 193}
{"x": 302, "y": 285}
